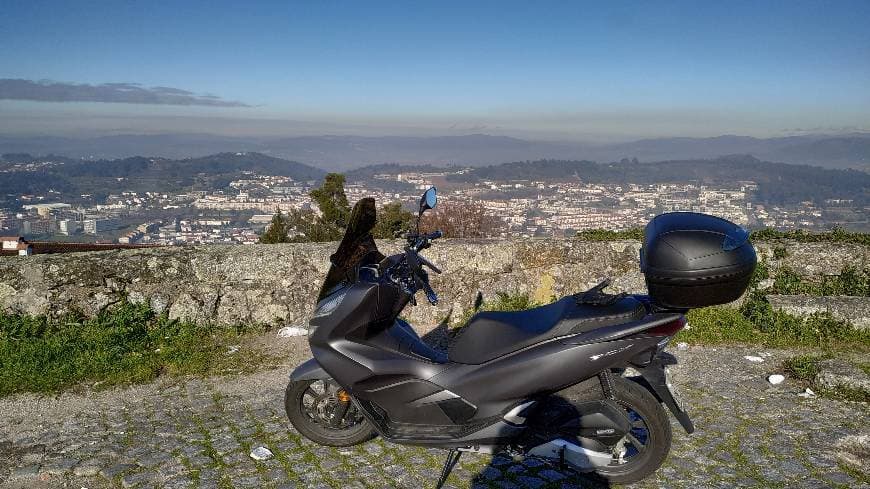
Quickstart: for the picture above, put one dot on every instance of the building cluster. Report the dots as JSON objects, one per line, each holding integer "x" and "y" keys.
{"x": 258, "y": 193}
{"x": 238, "y": 213}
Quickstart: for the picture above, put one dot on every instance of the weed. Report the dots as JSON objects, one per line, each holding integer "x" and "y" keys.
{"x": 804, "y": 367}
{"x": 836, "y": 235}
{"x": 780, "y": 252}
{"x": 757, "y": 323}
{"x": 608, "y": 235}
{"x": 850, "y": 281}
{"x": 841, "y": 392}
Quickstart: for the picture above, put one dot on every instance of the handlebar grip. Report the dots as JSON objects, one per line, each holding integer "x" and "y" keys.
{"x": 436, "y": 234}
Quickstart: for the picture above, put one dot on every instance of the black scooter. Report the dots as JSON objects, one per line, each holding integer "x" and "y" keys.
{"x": 546, "y": 382}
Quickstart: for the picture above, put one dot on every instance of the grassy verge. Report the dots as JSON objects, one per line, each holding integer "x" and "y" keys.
{"x": 836, "y": 235}
{"x": 757, "y": 323}
{"x": 806, "y": 368}
{"x": 129, "y": 343}
{"x": 850, "y": 281}
{"x": 608, "y": 235}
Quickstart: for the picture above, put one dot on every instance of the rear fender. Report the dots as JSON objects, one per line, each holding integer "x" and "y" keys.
{"x": 309, "y": 370}
{"x": 657, "y": 382}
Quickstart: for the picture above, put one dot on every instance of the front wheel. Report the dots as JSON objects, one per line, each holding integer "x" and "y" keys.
{"x": 324, "y": 413}
{"x": 643, "y": 449}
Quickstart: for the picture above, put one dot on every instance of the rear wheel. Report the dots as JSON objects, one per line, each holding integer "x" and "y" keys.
{"x": 324, "y": 413}
{"x": 644, "y": 448}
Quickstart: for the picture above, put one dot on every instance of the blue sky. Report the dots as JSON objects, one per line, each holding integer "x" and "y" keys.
{"x": 572, "y": 70}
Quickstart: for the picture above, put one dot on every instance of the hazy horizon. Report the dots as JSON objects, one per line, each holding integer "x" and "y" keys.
{"x": 570, "y": 72}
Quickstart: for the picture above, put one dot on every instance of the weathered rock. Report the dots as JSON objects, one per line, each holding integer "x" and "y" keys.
{"x": 277, "y": 284}
{"x": 854, "y": 450}
{"x": 835, "y": 373}
{"x": 856, "y": 310}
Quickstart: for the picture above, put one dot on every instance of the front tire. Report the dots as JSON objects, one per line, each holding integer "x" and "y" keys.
{"x": 312, "y": 407}
{"x": 649, "y": 441}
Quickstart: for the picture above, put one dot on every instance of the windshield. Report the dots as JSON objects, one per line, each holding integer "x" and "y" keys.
{"x": 357, "y": 248}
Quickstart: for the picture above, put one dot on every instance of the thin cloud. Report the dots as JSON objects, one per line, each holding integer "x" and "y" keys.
{"x": 126, "y": 93}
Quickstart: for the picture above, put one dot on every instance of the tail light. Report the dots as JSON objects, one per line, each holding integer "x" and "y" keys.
{"x": 668, "y": 329}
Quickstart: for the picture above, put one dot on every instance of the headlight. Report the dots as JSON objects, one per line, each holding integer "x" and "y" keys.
{"x": 328, "y": 305}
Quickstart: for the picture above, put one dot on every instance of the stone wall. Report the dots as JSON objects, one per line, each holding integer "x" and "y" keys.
{"x": 277, "y": 284}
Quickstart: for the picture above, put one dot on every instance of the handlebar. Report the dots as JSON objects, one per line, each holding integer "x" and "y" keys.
{"x": 415, "y": 263}
{"x": 423, "y": 241}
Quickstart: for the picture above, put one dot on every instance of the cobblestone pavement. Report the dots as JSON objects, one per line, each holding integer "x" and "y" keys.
{"x": 199, "y": 433}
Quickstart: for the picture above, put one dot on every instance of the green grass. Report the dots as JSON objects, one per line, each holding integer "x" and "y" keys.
{"x": 608, "y": 235}
{"x": 836, "y": 235}
{"x": 779, "y": 252}
{"x": 850, "y": 281}
{"x": 757, "y": 323}
{"x": 806, "y": 368}
{"x": 127, "y": 344}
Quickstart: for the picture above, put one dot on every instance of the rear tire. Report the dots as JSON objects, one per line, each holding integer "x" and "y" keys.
{"x": 354, "y": 429}
{"x": 646, "y": 408}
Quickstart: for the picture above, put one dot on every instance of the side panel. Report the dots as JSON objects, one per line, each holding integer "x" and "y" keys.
{"x": 497, "y": 385}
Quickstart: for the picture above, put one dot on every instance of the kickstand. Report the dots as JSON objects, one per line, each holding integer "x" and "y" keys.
{"x": 452, "y": 458}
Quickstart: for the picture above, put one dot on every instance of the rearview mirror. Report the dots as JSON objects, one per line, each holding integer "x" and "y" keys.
{"x": 428, "y": 200}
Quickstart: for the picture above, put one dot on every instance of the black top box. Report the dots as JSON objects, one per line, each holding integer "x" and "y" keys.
{"x": 694, "y": 260}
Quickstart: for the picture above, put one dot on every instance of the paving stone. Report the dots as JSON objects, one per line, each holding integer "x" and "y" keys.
{"x": 139, "y": 478}
{"x": 786, "y": 440}
{"x": 59, "y": 466}
{"x": 153, "y": 459}
{"x": 115, "y": 470}
{"x": 530, "y": 482}
{"x": 26, "y": 472}
{"x": 88, "y": 468}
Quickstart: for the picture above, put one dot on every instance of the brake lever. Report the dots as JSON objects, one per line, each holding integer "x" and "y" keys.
{"x": 424, "y": 261}
{"x": 430, "y": 294}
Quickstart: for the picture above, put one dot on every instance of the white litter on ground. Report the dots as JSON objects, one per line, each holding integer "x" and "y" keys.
{"x": 290, "y": 331}
{"x": 682, "y": 345}
{"x": 776, "y": 379}
{"x": 261, "y": 453}
{"x": 807, "y": 393}
{"x": 233, "y": 349}
{"x": 753, "y": 358}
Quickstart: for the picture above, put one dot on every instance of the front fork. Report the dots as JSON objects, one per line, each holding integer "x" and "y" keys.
{"x": 655, "y": 374}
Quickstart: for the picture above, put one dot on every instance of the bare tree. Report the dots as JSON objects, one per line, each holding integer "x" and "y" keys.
{"x": 462, "y": 220}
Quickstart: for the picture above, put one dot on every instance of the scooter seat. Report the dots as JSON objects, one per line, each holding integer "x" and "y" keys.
{"x": 491, "y": 334}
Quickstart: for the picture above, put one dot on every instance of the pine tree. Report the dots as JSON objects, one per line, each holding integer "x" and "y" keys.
{"x": 392, "y": 220}
{"x": 277, "y": 230}
{"x": 332, "y": 201}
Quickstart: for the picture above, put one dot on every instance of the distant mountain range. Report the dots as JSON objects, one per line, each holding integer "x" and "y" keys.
{"x": 347, "y": 152}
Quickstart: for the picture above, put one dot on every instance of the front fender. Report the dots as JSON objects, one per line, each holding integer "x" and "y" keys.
{"x": 309, "y": 370}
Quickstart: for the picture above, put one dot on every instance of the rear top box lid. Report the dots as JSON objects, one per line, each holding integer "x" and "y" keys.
{"x": 692, "y": 246}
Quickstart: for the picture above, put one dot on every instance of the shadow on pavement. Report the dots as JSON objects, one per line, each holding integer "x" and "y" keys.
{"x": 502, "y": 471}
{"x": 532, "y": 473}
